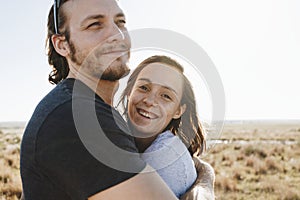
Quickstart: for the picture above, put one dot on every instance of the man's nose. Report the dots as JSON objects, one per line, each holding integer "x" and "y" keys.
{"x": 115, "y": 33}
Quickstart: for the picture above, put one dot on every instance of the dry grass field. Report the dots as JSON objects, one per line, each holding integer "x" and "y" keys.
{"x": 258, "y": 161}
{"x": 252, "y": 161}
{"x": 10, "y": 181}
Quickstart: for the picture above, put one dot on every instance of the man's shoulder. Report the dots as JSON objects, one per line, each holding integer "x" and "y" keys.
{"x": 59, "y": 101}
{"x": 57, "y": 96}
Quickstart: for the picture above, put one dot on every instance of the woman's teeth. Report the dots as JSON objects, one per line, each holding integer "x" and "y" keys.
{"x": 145, "y": 114}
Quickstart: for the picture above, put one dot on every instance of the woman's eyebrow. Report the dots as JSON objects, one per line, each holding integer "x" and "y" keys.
{"x": 166, "y": 87}
{"x": 144, "y": 79}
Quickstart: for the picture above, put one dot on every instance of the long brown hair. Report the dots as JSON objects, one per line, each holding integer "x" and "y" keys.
{"x": 60, "y": 67}
{"x": 188, "y": 127}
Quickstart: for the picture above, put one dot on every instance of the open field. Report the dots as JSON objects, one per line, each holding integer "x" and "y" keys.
{"x": 257, "y": 161}
{"x": 10, "y": 181}
{"x": 252, "y": 160}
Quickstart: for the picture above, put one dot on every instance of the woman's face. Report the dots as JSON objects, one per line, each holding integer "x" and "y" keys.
{"x": 155, "y": 99}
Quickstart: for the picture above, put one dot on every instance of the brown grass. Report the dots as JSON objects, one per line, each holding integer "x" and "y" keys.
{"x": 257, "y": 170}
{"x": 254, "y": 170}
{"x": 10, "y": 181}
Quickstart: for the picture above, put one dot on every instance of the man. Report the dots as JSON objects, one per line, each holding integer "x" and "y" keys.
{"x": 88, "y": 48}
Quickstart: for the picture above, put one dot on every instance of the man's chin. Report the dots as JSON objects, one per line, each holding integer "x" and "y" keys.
{"x": 127, "y": 71}
{"x": 115, "y": 74}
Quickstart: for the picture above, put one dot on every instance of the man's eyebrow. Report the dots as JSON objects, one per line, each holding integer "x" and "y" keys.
{"x": 120, "y": 15}
{"x": 91, "y": 17}
{"x": 166, "y": 87}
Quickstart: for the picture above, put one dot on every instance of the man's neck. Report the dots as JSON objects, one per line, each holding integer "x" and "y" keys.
{"x": 103, "y": 88}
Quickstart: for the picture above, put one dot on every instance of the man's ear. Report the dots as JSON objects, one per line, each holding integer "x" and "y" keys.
{"x": 179, "y": 111}
{"x": 61, "y": 45}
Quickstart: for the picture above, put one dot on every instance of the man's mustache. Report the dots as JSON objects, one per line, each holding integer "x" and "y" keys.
{"x": 111, "y": 48}
{"x": 101, "y": 54}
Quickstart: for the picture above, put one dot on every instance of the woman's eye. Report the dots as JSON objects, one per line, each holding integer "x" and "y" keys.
{"x": 144, "y": 88}
{"x": 166, "y": 96}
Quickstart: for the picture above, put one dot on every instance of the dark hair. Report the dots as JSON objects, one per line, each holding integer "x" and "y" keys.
{"x": 60, "y": 67}
{"x": 188, "y": 126}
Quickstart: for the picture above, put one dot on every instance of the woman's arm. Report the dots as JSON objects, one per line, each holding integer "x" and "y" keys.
{"x": 203, "y": 188}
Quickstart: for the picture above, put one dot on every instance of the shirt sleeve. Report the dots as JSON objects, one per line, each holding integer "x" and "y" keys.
{"x": 171, "y": 159}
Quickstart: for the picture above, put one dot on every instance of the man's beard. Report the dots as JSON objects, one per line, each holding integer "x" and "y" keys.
{"x": 116, "y": 70}
{"x": 116, "y": 73}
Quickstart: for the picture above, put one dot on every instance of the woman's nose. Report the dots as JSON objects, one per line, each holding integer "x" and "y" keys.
{"x": 150, "y": 100}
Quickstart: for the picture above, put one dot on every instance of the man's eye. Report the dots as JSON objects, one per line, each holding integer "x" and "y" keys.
{"x": 94, "y": 25}
{"x": 121, "y": 23}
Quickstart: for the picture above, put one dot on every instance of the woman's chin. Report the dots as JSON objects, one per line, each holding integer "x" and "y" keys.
{"x": 144, "y": 131}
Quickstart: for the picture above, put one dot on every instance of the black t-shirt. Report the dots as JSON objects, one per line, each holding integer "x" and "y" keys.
{"x": 55, "y": 161}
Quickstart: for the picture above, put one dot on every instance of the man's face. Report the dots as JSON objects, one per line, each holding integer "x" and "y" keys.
{"x": 99, "y": 42}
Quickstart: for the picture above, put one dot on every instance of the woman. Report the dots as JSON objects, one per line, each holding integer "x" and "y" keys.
{"x": 160, "y": 107}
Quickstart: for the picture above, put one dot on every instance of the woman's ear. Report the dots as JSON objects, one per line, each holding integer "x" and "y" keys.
{"x": 61, "y": 45}
{"x": 179, "y": 111}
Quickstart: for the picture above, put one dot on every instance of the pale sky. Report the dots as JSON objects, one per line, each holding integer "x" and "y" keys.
{"x": 255, "y": 46}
